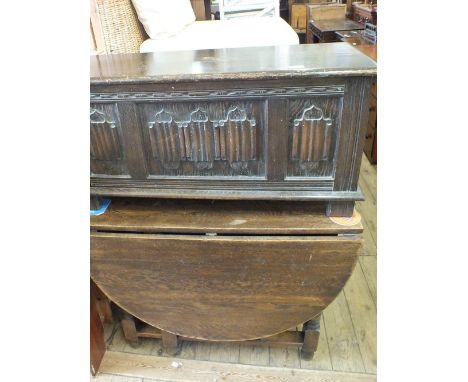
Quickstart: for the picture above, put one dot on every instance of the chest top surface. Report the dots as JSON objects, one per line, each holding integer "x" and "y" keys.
{"x": 289, "y": 61}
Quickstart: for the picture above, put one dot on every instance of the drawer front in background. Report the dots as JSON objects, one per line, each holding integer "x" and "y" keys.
{"x": 222, "y": 287}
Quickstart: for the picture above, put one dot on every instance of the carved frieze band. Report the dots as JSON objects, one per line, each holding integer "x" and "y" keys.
{"x": 202, "y": 141}
{"x": 251, "y": 92}
{"x": 104, "y": 138}
{"x": 312, "y": 137}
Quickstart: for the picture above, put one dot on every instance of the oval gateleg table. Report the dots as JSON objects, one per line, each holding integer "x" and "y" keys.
{"x": 224, "y": 270}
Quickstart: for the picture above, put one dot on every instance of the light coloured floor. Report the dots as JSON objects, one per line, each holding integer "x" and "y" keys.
{"x": 347, "y": 347}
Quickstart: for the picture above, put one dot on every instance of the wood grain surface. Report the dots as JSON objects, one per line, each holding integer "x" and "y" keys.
{"x": 97, "y": 342}
{"x": 234, "y": 63}
{"x": 339, "y": 350}
{"x": 262, "y": 123}
{"x": 222, "y": 287}
{"x": 341, "y": 24}
{"x": 174, "y": 369}
{"x": 246, "y": 217}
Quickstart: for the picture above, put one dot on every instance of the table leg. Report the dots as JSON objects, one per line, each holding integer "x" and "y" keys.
{"x": 170, "y": 342}
{"x": 97, "y": 341}
{"x": 311, "y": 330}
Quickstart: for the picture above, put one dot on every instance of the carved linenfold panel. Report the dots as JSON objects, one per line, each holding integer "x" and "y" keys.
{"x": 314, "y": 128}
{"x": 106, "y": 150}
{"x": 217, "y": 138}
{"x": 311, "y": 136}
{"x": 105, "y": 144}
{"x": 162, "y": 137}
{"x": 238, "y": 135}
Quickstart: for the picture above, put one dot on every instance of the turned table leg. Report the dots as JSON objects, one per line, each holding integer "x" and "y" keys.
{"x": 129, "y": 329}
{"x": 311, "y": 330}
{"x": 105, "y": 310}
{"x": 170, "y": 342}
{"x": 103, "y": 304}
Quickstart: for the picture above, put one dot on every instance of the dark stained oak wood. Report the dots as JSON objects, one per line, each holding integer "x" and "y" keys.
{"x": 230, "y": 64}
{"x": 324, "y": 31}
{"x": 186, "y": 270}
{"x": 196, "y": 285}
{"x": 229, "y": 217}
{"x": 97, "y": 342}
{"x": 129, "y": 329}
{"x": 170, "y": 343}
{"x": 311, "y": 332}
{"x": 222, "y": 287}
{"x": 146, "y": 191}
{"x": 148, "y": 331}
{"x": 272, "y": 123}
{"x": 364, "y": 13}
{"x": 370, "y": 145}
{"x": 102, "y": 304}
{"x": 287, "y": 338}
{"x": 306, "y": 340}
{"x": 332, "y": 25}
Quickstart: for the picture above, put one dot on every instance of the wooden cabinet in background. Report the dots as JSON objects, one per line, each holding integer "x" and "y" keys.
{"x": 365, "y": 13}
{"x": 325, "y": 12}
{"x": 326, "y": 30}
{"x": 298, "y": 13}
{"x": 298, "y": 18}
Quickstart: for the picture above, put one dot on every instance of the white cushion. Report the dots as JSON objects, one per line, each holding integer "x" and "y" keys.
{"x": 164, "y": 18}
{"x": 234, "y": 33}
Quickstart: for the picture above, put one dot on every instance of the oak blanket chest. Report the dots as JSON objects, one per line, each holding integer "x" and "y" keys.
{"x": 271, "y": 123}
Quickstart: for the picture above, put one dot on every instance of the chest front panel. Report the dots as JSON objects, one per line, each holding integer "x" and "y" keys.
{"x": 271, "y": 138}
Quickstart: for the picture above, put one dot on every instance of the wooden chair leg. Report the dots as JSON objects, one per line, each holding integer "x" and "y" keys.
{"x": 129, "y": 329}
{"x": 171, "y": 343}
{"x": 311, "y": 330}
